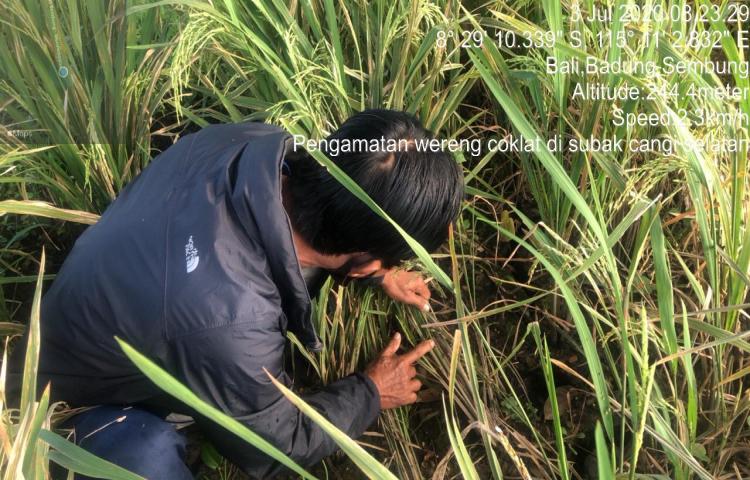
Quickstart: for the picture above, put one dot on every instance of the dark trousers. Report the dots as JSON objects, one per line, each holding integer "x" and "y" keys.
{"x": 134, "y": 439}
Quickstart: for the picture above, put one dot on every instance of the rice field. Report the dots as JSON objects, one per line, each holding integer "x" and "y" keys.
{"x": 590, "y": 306}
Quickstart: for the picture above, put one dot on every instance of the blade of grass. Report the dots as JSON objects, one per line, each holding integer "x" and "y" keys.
{"x": 369, "y": 466}
{"x": 79, "y": 460}
{"x": 43, "y": 209}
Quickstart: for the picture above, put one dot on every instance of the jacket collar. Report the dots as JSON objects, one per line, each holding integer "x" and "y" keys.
{"x": 257, "y": 199}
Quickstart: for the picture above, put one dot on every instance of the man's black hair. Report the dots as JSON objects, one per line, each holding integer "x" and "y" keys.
{"x": 420, "y": 189}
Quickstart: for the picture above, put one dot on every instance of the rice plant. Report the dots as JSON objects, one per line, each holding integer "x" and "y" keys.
{"x": 85, "y": 79}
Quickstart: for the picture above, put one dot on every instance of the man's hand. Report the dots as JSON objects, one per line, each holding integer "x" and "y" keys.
{"x": 407, "y": 287}
{"x": 393, "y": 374}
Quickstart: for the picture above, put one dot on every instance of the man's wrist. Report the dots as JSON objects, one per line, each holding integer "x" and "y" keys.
{"x": 372, "y": 386}
{"x": 372, "y": 281}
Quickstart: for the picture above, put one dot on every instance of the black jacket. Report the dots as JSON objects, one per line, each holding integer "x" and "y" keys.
{"x": 194, "y": 265}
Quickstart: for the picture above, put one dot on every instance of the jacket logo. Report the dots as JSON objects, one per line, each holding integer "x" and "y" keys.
{"x": 191, "y": 255}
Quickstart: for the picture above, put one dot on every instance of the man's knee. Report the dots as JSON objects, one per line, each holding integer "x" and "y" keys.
{"x": 135, "y": 439}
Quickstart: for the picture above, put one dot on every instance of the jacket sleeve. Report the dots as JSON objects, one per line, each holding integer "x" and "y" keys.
{"x": 224, "y": 366}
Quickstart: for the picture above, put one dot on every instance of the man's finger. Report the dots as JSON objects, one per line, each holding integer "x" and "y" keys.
{"x": 423, "y": 294}
{"x": 393, "y": 345}
{"x": 423, "y": 290}
{"x": 418, "y": 352}
{"x": 419, "y": 302}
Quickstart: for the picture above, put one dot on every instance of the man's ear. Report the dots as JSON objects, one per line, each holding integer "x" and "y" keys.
{"x": 365, "y": 269}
